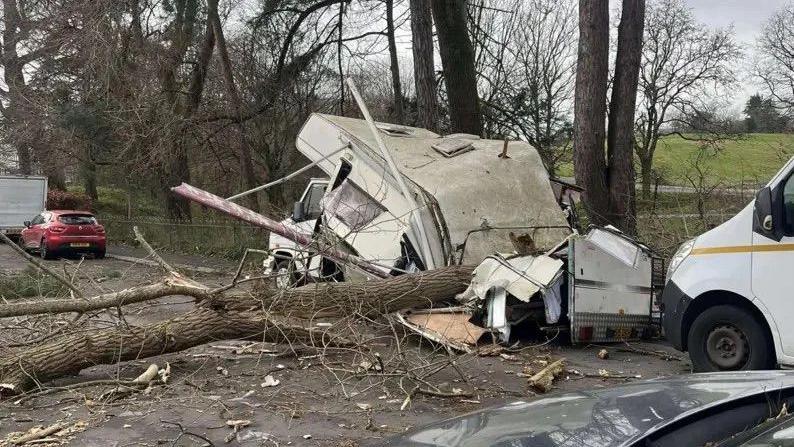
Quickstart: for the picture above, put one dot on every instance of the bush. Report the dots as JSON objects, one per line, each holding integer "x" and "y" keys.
{"x": 67, "y": 200}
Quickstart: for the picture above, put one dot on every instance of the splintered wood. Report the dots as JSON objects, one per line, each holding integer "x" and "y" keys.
{"x": 543, "y": 379}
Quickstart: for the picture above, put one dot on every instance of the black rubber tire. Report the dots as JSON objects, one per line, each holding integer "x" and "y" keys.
{"x": 99, "y": 254}
{"x": 761, "y": 351}
{"x": 45, "y": 254}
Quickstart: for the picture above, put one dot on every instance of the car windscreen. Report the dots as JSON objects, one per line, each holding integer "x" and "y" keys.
{"x": 778, "y": 432}
{"x": 77, "y": 219}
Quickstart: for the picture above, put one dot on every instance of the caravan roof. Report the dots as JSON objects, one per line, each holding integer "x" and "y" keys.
{"x": 474, "y": 186}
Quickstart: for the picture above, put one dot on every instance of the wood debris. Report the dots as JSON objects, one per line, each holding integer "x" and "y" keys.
{"x": 543, "y": 379}
{"x": 37, "y": 432}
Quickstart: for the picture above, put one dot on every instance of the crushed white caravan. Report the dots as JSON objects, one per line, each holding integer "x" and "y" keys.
{"x": 598, "y": 287}
{"x": 469, "y": 201}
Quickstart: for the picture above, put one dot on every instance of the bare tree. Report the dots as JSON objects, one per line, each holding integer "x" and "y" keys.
{"x": 397, "y": 90}
{"x": 775, "y": 67}
{"x": 246, "y": 160}
{"x": 424, "y": 64}
{"x": 529, "y": 86}
{"x": 14, "y": 78}
{"x": 32, "y": 32}
{"x": 590, "y": 107}
{"x": 457, "y": 59}
{"x": 681, "y": 60}
{"x": 620, "y": 136}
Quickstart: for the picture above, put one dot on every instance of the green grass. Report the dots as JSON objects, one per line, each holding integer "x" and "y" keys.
{"x": 28, "y": 284}
{"x": 113, "y": 202}
{"x": 750, "y": 160}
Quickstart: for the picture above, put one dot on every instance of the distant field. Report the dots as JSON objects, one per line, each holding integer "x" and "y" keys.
{"x": 751, "y": 160}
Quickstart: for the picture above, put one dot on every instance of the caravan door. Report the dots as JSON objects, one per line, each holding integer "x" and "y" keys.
{"x": 355, "y": 210}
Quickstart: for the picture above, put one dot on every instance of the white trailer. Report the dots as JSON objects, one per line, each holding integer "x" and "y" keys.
{"x": 21, "y": 198}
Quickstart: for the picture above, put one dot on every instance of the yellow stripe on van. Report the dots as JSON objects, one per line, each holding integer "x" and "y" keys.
{"x": 742, "y": 249}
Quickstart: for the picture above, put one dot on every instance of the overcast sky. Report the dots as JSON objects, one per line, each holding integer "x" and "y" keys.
{"x": 747, "y": 17}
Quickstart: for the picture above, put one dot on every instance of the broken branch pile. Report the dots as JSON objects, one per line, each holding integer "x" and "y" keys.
{"x": 272, "y": 315}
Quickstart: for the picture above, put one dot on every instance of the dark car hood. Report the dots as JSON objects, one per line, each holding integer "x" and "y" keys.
{"x": 601, "y": 417}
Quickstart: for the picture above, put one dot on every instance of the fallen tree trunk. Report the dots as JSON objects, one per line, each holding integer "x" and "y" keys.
{"x": 277, "y": 317}
{"x": 168, "y": 287}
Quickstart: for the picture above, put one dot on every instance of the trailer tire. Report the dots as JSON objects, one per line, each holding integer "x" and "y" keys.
{"x": 728, "y": 338}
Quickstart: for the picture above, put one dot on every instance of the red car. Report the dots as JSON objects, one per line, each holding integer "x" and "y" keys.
{"x": 62, "y": 232}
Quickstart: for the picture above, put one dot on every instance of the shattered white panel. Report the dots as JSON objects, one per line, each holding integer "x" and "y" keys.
{"x": 615, "y": 245}
{"x": 497, "y": 314}
{"x": 521, "y": 277}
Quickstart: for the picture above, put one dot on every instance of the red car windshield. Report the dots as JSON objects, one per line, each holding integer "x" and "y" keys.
{"x": 77, "y": 219}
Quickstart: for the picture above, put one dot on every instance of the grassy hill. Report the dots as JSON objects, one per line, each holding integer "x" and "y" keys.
{"x": 750, "y": 160}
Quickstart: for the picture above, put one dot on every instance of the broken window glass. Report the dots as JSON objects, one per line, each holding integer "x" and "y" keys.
{"x": 351, "y": 205}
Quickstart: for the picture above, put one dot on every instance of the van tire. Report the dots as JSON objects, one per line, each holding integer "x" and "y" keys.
{"x": 728, "y": 338}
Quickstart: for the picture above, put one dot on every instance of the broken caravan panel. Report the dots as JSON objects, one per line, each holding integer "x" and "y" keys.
{"x": 612, "y": 287}
{"x": 473, "y": 196}
{"x": 600, "y": 286}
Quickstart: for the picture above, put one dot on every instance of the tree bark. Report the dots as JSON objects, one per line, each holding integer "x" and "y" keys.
{"x": 646, "y": 175}
{"x": 88, "y": 173}
{"x": 176, "y": 166}
{"x": 246, "y": 160}
{"x": 620, "y": 136}
{"x": 424, "y": 64}
{"x": 396, "y": 84}
{"x": 590, "y": 107}
{"x": 273, "y": 316}
{"x": 15, "y": 82}
{"x": 457, "y": 60}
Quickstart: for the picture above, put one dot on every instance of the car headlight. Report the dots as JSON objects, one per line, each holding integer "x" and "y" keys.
{"x": 679, "y": 256}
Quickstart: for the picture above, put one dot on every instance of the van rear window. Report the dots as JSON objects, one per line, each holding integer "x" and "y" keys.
{"x": 77, "y": 219}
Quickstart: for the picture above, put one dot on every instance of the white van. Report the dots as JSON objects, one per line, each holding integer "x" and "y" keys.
{"x": 729, "y": 292}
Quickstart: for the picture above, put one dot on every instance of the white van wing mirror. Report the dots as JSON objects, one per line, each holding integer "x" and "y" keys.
{"x": 765, "y": 219}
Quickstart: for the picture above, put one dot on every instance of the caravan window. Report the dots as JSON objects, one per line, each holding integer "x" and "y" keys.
{"x": 312, "y": 201}
{"x": 352, "y": 205}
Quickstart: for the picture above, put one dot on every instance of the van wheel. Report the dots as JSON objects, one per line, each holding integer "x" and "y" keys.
{"x": 286, "y": 277}
{"x": 728, "y": 338}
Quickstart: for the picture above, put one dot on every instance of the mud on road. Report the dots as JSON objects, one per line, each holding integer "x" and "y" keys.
{"x": 215, "y": 392}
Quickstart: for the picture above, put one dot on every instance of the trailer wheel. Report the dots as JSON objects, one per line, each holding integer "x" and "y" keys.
{"x": 728, "y": 338}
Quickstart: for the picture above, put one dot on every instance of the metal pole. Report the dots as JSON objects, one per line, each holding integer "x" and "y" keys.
{"x": 429, "y": 264}
{"x": 289, "y": 176}
{"x": 218, "y": 203}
